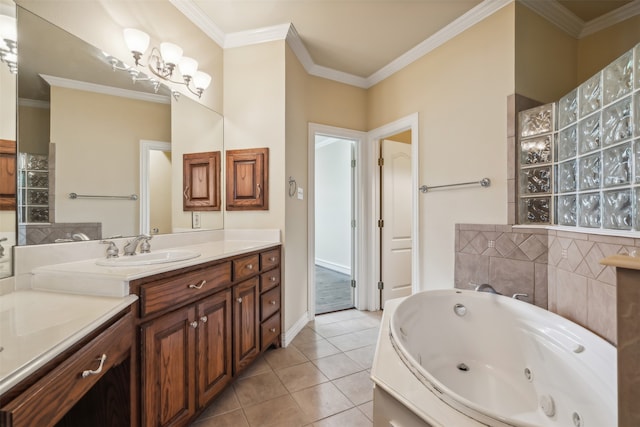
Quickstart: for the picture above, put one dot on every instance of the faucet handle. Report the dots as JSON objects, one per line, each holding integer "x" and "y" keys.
{"x": 145, "y": 246}
{"x": 519, "y": 296}
{"x": 112, "y": 250}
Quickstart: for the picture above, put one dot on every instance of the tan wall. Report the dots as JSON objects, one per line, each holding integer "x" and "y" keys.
{"x": 160, "y": 198}
{"x": 545, "y": 57}
{"x": 598, "y": 50}
{"x": 336, "y": 104}
{"x": 7, "y": 131}
{"x": 460, "y": 93}
{"x": 34, "y": 130}
{"x": 97, "y": 141}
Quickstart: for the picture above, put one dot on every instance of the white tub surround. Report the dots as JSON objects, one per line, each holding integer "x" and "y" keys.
{"x": 504, "y": 362}
{"x": 37, "y": 326}
{"x": 399, "y": 396}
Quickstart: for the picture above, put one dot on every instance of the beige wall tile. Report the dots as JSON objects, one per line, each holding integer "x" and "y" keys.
{"x": 601, "y": 310}
{"x": 510, "y": 276}
{"x": 470, "y": 269}
{"x": 571, "y": 297}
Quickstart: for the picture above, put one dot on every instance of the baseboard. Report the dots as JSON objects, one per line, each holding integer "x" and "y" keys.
{"x": 291, "y": 333}
{"x": 334, "y": 267}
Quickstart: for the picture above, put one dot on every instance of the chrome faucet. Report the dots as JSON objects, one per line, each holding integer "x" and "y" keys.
{"x": 132, "y": 245}
{"x": 485, "y": 287}
{"x": 4, "y": 239}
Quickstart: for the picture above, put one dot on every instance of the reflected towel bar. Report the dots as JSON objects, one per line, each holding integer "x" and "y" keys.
{"x": 87, "y": 196}
{"x": 484, "y": 182}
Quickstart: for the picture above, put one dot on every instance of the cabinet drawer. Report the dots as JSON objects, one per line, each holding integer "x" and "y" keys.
{"x": 269, "y": 279}
{"x": 170, "y": 293}
{"x": 245, "y": 267}
{"x": 269, "y": 259}
{"x": 269, "y": 303}
{"x": 48, "y": 400}
{"x": 270, "y": 331}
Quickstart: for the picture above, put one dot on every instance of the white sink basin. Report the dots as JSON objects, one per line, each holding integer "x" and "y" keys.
{"x": 158, "y": 257}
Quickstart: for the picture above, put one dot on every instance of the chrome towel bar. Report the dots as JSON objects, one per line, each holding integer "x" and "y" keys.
{"x": 88, "y": 196}
{"x": 484, "y": 182}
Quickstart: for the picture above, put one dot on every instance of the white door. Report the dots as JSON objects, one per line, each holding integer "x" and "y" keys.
{"x": 396, "y": 209}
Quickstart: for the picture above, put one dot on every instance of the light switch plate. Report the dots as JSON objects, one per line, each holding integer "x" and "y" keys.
{"x": 195, "y": 219}
{"x": 300, "y": 193}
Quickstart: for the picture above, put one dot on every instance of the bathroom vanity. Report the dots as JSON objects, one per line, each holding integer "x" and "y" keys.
{"x": 155, "y": 344}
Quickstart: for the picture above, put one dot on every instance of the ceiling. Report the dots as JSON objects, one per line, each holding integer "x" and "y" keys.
{"x": 361, "y": 37}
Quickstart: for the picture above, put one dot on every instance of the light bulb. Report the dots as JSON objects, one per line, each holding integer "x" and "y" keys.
{"x": 201, "y": 80}
{"x": 171, "y": 53}
{"x": 188, "y": 67}
{"x": 137, "y": 41}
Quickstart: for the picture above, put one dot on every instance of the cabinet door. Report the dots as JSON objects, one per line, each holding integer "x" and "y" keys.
{"x": 248, "y": 179}
{"x": 213, "y": 369}
{"x": 201, "y": 181}
{"x": 168, "y": 359}
{"x": 245, "y": 323}
{"x": 7, "y": 175}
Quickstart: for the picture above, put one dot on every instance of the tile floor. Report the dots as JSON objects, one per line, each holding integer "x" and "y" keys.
{"x": 321, "y": 379}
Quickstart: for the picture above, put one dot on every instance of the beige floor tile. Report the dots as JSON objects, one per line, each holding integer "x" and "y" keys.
{"x": 337, "y": 316}
{"x": 230, "y": 419}
{"x": 355, "y": 340}
{"x": 306, "y": 335}
{"x": 351, "y": 418}
{"x": 337, "y": 366}
{"x": 301, "y": 376}
{"x": 317, "y": 349}
{"x": 226, "y": 402}
{"x": 280, "y": 412}
{"x": 321, "y": 401}
{"x": 367, "y": 409}
{"x": 363, "y": 356}
{"x": 357, "y": 387}
{"x": 284, "y": 357}
{"x": 328, "y": 330}
{"x": 256, "y": 389}
{"x": 260, "y": 366}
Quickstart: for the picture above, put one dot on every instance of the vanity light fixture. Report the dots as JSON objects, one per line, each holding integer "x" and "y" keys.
{"x": 9, "y": 42}
{"x": 162, "y": 63}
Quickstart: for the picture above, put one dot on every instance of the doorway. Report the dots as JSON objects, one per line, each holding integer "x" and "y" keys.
{"x": 155, "y": 178}
{"x": 334, "y": 223}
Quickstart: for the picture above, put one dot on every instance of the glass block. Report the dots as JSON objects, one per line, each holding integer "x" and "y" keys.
{"x": 589, "y": 133}
{"x": 36, "y": 162}
{"x": 37, "y": 179}
{"x": 535, "y": 150}
{"x": 567, "y": 143}
{"x": 616, "y": 122}
{"x": 37, "y": 214}
{"x": 636, "y": 113}
{"x": 636, "y": 223}
{"x": 589, "y": 210}
{"x": 636, "y": 155}
{"x": 566, "y": 210}
{"x": 38, "y": 197}
{"x": 617, "y": 78}
{"x": 535, "y": 180}
{"x": 637, "y": 70}
{"x": 537, "y": 120}
{"x": 567, "y": 176}
{"x": 568, "y": 109}
{"x": 617, "y": 209}
{"x": 535, "y": 210}
{"x": 616, "y": 165}
{"x": 590, "y": 95}
{"x": 589, "y": 171}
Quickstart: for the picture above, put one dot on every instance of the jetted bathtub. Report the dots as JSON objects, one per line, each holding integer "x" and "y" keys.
{"x": 504, "y": 362}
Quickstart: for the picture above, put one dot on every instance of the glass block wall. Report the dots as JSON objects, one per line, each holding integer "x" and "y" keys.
{"x": 579, "y": 162}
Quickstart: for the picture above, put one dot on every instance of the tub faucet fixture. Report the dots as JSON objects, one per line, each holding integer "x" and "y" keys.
{"x": 485, "y": 287}
{"x": 132, "y": 245}
{"x": 4, "y": 239}
{"x": 112, "y": 250}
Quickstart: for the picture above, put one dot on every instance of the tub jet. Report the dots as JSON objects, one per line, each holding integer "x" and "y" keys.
{"x": 462, "y": 367}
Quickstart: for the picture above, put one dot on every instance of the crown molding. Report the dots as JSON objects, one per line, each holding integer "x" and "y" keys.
{"x": 34, "y": 103}
{"x": 557, "y": 14}
{"x": 105, "y": 90}
{"x": 200, "y": 19}
{"x": 614, "y": 17}
{"x": 258, "y": 35}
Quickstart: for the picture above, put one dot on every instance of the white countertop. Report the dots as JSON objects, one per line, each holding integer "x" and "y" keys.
{"x": 86, "y": 277}
{"x": 390, "y": 373}
{"x": 36, "y": 326}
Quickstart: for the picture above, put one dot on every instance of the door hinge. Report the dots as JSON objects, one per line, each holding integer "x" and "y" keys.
{"x": 380, "y": 223}
{"x": 380, "y": 161}
{"x": 353, "y": 163}
{"x": 353, "y": 283}
{"x": 381, "y": 285}
{"x": 353, "y": 223}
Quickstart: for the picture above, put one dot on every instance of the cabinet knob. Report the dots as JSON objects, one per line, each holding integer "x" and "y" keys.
{"x": 249, "y": 266}
{"x": 272, "y": 302}
{"x": 272, "y": 330}
{"x": 272, "y": 259}
{"x": 198, "y": 286}
{"x": 272, "y": 279}
{"x": 88, "y": 372}
{"x": 239, "y": 300}
{"x": 204, "y": 319}
{"x": 194, "y": 324}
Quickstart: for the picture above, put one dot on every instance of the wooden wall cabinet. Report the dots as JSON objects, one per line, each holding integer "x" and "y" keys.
{"x": 201, "y": 181}
{"x": 247, "y": 179}
{"x": 7, "y": 175}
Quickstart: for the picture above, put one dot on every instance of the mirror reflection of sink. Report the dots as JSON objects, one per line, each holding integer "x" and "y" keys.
{"x": 157, "y": 257}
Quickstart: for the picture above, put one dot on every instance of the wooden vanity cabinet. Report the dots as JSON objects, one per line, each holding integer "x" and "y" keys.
{"x": 199, "y": 328}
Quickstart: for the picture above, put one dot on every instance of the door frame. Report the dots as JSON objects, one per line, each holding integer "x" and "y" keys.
{"x": 146, "y": 146}
{"x": 359, "y": 272}
{"x": 409, "y": 122}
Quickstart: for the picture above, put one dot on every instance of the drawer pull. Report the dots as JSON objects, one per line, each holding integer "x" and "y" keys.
{"x": 239, "y": 300}
{"x": 198, "y": 286}
{"x": 272, "y": 259}
{"x": 88, "y": 372}
{"x": 194, "y": 324}
{"x": 204, "y": 319}
{"x": 272, "y": 279}
{"x": 272, "y": 302}
{"x": 249, "y": 266}
{"x": 272, "y": 330}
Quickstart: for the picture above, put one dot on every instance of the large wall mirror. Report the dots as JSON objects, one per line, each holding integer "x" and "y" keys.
{"x": 99, "y": 156}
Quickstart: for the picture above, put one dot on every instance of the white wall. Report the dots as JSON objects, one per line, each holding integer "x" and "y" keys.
{"x": 333, "y": 205}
